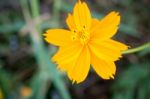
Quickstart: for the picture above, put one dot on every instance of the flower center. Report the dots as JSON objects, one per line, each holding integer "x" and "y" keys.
{"x": 82, "y": 36}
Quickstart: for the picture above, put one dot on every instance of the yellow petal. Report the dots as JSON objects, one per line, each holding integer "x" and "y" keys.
{"x": 58, "y": 37}
{"x": 70, "y": 22}
{"x": 68, "y": 53}
{"x": 115, "y": 45}
{"x": 104, "y": 53}
{"x": 66, "y": 66}
{"x": 82, "y": 16}
{"x": 111, "y": 44}
{"x": 112, "y": 19}
{"x": 79, "y": 72}
{"x": 94, "y": 23}
{"x": 105, "y": 69}
{"x": 107, "y": 27}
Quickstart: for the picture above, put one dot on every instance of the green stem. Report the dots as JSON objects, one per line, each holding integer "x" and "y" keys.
{"x": 56, "y": 12}
{"x": 140, "y": 48}
{"x": 46, "y": 68}
{"x": 35, "y": 8}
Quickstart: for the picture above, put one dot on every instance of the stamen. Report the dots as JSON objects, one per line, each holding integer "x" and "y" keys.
{"x": 82, "y": 36}
{"x": 84, "y": 26}
{"x": 80, "y": 0}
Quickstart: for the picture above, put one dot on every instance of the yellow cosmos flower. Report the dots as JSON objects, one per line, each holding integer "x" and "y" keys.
{"x": 87, "y": 42}
{"x": 1, "y": 94}
{"x": 26, "y": 91}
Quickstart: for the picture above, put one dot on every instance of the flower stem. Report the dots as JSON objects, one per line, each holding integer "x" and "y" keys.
{"x": 140, "y": 48}
{"x": 47, "y": 70}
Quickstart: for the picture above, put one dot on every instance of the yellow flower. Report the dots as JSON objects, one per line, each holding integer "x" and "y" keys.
{"x": 87, "y": 42}
{"x": 1, "y": 94}
{"x": 26, "y": 91}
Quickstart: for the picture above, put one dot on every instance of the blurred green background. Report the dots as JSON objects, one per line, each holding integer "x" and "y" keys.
{"x": 26, "y": 71}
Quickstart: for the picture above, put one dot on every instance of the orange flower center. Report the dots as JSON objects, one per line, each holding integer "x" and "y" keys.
{"x": 82, "y": 36}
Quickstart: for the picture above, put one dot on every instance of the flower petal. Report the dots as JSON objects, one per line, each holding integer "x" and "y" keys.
{"x": 105, "y": 69}
{"x": 67, "y": 53}
{"x": 58, "y": 37}
{"x": 104, "y": 53}
{"x": 82, "y": 15}
{"x": 66, "y": 56}
{"x": 70, "y": 22}
{"x": 107, "y": 49}
{"x": 79, "y": 72}
{"x": 107, "y": 27}
{"x": 94, "y": 23}
{"x": 110, "y": 43}
{"x": 115, "y": 45}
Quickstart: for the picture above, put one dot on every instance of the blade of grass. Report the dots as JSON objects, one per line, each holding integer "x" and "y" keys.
{"x": 46, "y": 68}
{"x": 56, "y": 10}
{"x": 57, "y": 79}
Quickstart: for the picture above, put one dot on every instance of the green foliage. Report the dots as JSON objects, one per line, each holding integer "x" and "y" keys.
{"x": 47, "y": 70}
{"x": 134, "y": 82}
{"x": 5, "y": 83}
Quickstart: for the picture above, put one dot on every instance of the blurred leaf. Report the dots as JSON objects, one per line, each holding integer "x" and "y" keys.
{"x": 131, "y": 81}
{"x": 129, "y": 30}
{"x": 5, "y": 83}
{"x": 11, "y": 27}
{"x": 125, "y": 2}
{"x": 144, "y": 52}
{"x": 46, "y": 70}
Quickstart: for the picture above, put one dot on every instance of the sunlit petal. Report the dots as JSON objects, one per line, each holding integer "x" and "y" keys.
{"x": 79, "y": 72}
{"x": 70, "y": 22}
{"x": 104, "y": 68}
{"x": 107, "y": 27}
{"x": 58, "y": 37}
{"x": 103, "y": 52}
{"x": 82, "y": 15}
